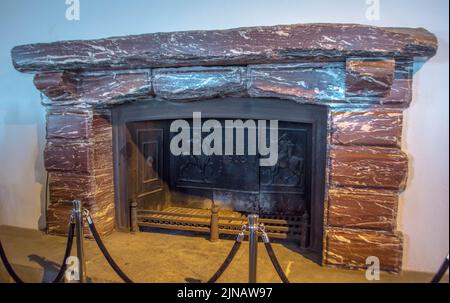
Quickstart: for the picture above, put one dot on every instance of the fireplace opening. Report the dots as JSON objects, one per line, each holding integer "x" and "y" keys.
{"x": 158, "y": 189}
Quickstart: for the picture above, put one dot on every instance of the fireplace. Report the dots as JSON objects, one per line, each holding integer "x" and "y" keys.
{"x": 338, "y": 90}
{"x": 178, "y": 191}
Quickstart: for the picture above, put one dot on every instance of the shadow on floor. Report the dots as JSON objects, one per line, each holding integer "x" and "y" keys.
{"x": 49, "y": 268}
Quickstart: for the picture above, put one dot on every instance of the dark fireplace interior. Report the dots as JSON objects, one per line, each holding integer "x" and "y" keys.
{"x": 180, "y": 192}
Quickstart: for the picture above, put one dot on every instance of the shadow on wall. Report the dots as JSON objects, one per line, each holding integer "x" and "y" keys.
{"x": 22, "y": 141}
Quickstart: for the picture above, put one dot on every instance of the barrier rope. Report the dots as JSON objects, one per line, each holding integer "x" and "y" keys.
{"x": 230, "y": 257}
{"x": 441, "y": 272}
{"x": 103, "y": 249}
{"x": 8, "y": 266}
{"x": 272, "y": 255}
{"x": 124, "y": 277}
{"x": 219, "y": 272}
{"x": 62, "y": 268}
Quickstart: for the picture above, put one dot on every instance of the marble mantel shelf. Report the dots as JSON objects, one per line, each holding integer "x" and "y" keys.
{"x": 241, "y": 46}
{"x": 363, "y": 74}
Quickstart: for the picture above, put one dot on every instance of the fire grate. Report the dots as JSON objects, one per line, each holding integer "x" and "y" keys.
{"x": 229, "y": 222}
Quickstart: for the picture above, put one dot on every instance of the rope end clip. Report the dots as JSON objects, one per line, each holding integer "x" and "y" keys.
{"x": 87, "y": 215}
{"x": 264, "y": 236}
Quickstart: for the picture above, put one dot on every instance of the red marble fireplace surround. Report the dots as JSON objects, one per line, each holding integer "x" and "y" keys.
{"x": 362, "y": 74}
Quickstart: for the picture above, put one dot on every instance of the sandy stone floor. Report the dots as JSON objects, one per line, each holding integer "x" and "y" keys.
{"x": 170, "y": 257}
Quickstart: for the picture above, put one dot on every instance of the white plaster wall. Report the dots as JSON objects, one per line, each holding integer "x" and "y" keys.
{"x": 424, "y": 211}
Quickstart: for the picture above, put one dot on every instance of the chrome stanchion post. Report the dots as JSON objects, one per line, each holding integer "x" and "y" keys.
{"x": 253, "y": 246}
{"x": 80, "y": 237}
{"x": 65, "y": 279}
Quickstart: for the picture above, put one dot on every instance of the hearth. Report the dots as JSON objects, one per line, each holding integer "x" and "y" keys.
{"x": 338, "y": 90}
{"x": 179, "y": 191}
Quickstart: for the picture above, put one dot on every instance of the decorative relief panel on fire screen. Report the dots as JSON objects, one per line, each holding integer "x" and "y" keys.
{"x": 238, "y": 182}
{"x": 283, "y": 187}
